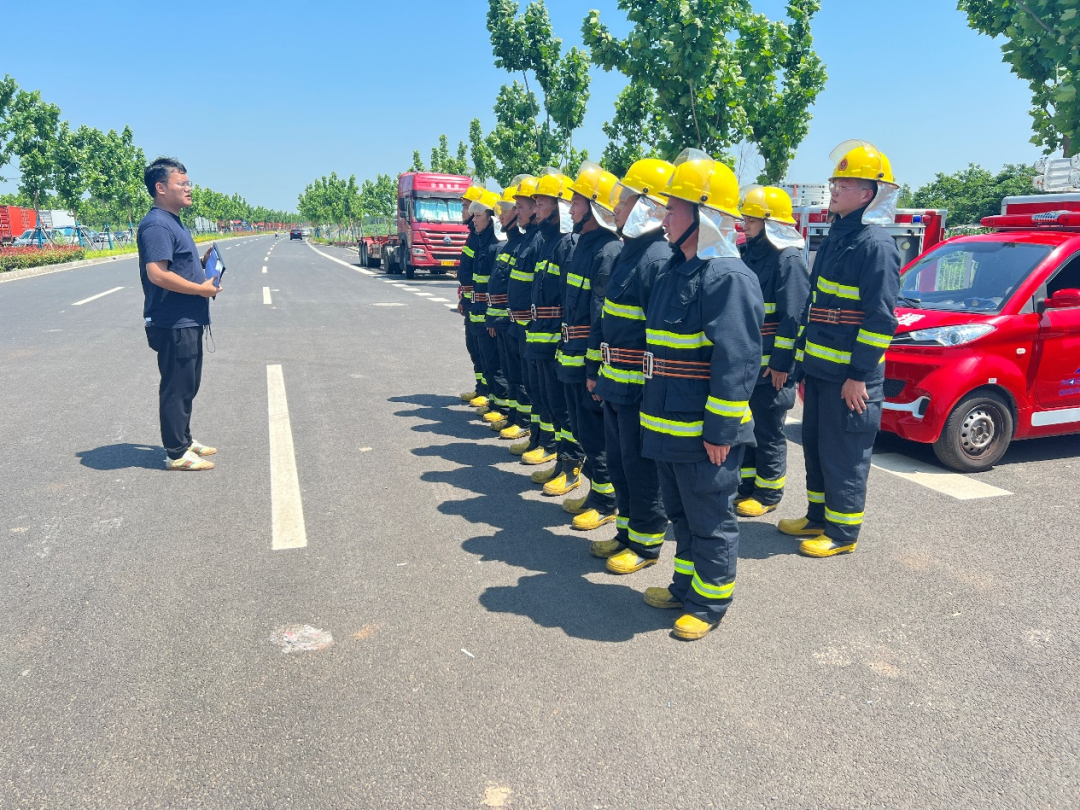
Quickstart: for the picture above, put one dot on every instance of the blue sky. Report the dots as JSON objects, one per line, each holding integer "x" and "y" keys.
{"x": 262, "y": 98}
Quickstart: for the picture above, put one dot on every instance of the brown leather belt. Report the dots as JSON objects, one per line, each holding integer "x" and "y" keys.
{"x": 480, "y": 298}
{"x": 574, "y": 332}
{"x": 683, "y": 369}
{"x": 498, "y": 299}
{"x": 545, "y": 312}
{"x": 466, "y": 288}
{"x": 769, "y": 329}
{"x": 629, "y": 357}
{"x": 843, "y": 317}
{"x": 521, "y": 315}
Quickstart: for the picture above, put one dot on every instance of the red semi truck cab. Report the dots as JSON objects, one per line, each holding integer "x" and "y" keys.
{"x": 988, "y": 343}
{"x": 430, "y": 233}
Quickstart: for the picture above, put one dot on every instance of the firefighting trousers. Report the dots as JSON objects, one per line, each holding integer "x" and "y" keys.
{"x": 472, "y": 345}
{"x": 520, "y": 410}
{"x": 699, "y": 498}
{"x": 492, "y": 367}
{"x": 837, "y": 445}
{"x": 546, "y": 436}
{"x": 554, "y": 392}
{"x": 764, "y": 468}
{"x": 642, "y": 521}
{"x": 587, "y": 425}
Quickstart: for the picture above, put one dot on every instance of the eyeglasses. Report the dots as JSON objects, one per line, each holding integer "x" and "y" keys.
{"x": 834, "y": 186}
{"x": 185, "y": 184}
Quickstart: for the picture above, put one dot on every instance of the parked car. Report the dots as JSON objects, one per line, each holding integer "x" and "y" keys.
{"x": 35, "y": 236}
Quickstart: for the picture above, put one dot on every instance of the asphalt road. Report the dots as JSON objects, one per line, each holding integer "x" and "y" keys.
{"x": 480, "y": 657}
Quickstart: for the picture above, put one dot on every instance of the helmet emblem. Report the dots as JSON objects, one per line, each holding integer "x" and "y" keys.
{"x": 842, "y": 165}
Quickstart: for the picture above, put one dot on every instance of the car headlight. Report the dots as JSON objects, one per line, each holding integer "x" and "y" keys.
{"x": 418, "y": 251}
{"x": 951, "y": 335}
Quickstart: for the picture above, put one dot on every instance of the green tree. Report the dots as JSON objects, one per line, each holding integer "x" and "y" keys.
{"x": 483, "y": 159}
{"x": 972, "y": 193}
{"x": 34, "y": 127}
{"x": 634, "y": 129}
{"x": 8, "y": 89}
{"x": 511, "y": 142}
{"x": 417, "y": 162}
{"x": 379, "y": 197}
{"x": 1043, "y": 47}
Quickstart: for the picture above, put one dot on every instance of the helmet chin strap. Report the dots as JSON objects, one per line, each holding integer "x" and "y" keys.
{"x": 584, "y": 221}
{"x": 689, "y": 231}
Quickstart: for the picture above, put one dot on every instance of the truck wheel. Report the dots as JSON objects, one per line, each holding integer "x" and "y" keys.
{"x": 977, "y": 433}
{"x": 388, "y": 261}
{"x": 410, "y": 271}
{"x": 364, "y": 260}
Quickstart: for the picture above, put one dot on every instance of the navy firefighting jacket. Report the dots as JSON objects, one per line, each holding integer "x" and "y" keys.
{"x": 622, "y": 320}
{"x": 465, "y": 267}
{"x": 487, "y": 249}
{"x": 704, "y": 319}
{"x": 498, "y": 311}
{"x": 545, "y": 330}
{"x": 586, "y": 281}
{"x": 848, "y": 321}
{"x": 785, "y": 285}
{"x": 519, "y": 289}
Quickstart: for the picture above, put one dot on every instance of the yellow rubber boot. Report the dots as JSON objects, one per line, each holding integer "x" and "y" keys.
{"x": 514, "y": 432}
{"x": 752, "y": 507}
{"x": 498, "y": 426}
{"x": 519, "y": 448}
{"x": 575, "y": 506}
{"x": 692, "y": 628}
{"x": 537, "y": 456}
{"x": 563, "y": 483}
{"x": 543, "y": 476}
{"x": 587, "y": 521}
{"x": 478, "y": 401}
{"x": 661, "y": 598}
{"x": 627, "y": 562}
{"x": 493, "y": 416}
{"x": 824, "y": 547}
{"x": 468, "y": 396}
{"x": 800, "y": 527}
{"x": 605, "y": 548}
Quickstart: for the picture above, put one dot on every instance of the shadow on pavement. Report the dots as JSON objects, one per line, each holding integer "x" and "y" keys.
{"x": 435, "y": 410}
{"x": 122, "y": 457}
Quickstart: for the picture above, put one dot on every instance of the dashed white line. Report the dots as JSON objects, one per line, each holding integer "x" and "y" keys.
{"x": 95, "y": 297}
{"x": 424, "y": 294}
{"x": 286, "y": 505}
{"x": 264, "y": 268}
{"x": 266, "y": 295}
{"x": 441, "y": 300}
{"x": 955, "y": 485}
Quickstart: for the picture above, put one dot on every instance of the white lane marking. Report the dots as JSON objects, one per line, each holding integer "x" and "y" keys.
{"x": 266, "y": 295}
{"x": 286, "y": 506}
{"x": 410, "y": 289}
{"x": 791, "y": 420}
{"x": 955, "y": 485}
{"x": 363, "y": 270}
{"x": 388, "y": 305}
{"x": 441, "y": 300}
{"x": 95, "y": 297}
{"x": 425, "y": 294}
{"x": 452, "y": 306}
{"x": 264, "y": 268}
{"x": 266, "y": 258}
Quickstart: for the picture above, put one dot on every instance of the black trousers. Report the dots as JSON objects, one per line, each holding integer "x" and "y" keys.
{"x": 587, "y": 425}
{"x": 546, "y": 435}
{"x": 520, "y": 411}
{"x": 492, "y": 366}
{"x": 837, "y": 446}
{"x": 642, "y": 520}
{"x": 764, "y": 469}
{"x": 179, "y": 358}
{"x": 554, "y": 392}
{"x": 472, "y": 346}
{"x": 700, "y": 500}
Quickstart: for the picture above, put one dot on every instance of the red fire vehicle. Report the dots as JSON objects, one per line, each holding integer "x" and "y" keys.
{"x": 988, "y": 346}
{"x": 14, "y": 221}
{"x": 430, "y": 234}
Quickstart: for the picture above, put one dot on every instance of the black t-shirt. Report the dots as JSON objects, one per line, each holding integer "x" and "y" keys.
{"x": 163, "y": 238}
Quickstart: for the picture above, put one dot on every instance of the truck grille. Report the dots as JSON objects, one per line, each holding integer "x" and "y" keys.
{"x": 893, "y": 388}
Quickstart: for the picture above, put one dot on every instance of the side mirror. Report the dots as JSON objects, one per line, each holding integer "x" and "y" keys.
{"x": 1064, "y": 299}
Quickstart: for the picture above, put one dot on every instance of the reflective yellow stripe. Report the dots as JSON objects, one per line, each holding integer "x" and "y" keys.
{"x": 503, "y": 257}
{"x": 466, "y": 296}
{"x": 622, "y": 375}
{"x": 542, "y": 337}
{"x": 521, "y": 275}
{"x": 643, "y": 539}
{"x": 578, "y": 281}
{"x": 844, "y": 518}
{"x": 784, "y": 343}
{"x": 623, "y": 311}
{"x": 594, "y": 354}
{"x": 727, "y": 407}
{"x": 547, "y": 427}
{"x": 498, "y": 313}
{"x": 477, "y": 317}
{"x": 468, "y": 251}
{"x": 825, "y": 353}
{"x": 657, "y": 337}
{"x": 748, "y": 472}
{"x": 552, "y": 268}
{"x": 765, "y": 358}
{"x": 670, "y": 426}
{"x": 524, "y": 408}
{"x": 874, "y": 339}
{"x": 570, "y": 360}
{"x": 622, "y": 522}
{"x": 770, "y": 308}
{"x": 603, "y": 489}
{"x": 684, "y": 567}
{"x": 481, "y": 279}
{"x": 815, "y": 497}
{"x": 565, "y": 435}
{"x": 766, "y": 484}
{"x": 839, "y": 290}
{"x": 712, "y": 591}
{"x": 799, "y": 355}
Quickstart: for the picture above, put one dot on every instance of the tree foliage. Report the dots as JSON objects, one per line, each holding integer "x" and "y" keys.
{"x": 634, "y": 130}
{"x": 972, "y": 193}
{"x": 719, "y": 73}
{"x": 1043, "y": 47}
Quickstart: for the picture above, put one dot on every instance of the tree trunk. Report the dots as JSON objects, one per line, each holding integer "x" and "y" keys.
{"x": 1067, "y": 146}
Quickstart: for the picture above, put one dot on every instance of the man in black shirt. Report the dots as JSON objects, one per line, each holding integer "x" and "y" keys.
{"x": 176, "y": 309}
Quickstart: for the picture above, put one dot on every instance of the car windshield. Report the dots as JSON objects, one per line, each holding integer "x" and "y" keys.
{"x": 434, "y": 209}
{"x": 970, "y": 276}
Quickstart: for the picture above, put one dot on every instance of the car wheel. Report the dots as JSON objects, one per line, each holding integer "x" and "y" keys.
{"x": 977, "y": 433}
{"x": 410, "y": 271}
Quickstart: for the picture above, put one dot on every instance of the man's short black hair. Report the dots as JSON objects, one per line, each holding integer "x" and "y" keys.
{"x": 159, "y": 171}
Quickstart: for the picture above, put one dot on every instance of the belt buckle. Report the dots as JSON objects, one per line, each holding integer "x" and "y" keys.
{"x": 605, "y": 353}
{"x": 832, "y": 316}
{"x": 647, "y": 365}
{"x": 532, "y": 311}
{"x": 565, "y": 333}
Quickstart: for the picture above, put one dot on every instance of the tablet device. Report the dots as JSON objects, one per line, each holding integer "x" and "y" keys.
{"x": 215, "y": 267}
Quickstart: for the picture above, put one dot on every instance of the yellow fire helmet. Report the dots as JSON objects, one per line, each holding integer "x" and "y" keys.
{"x": 648, "y": 176}
{"x": 767, "y": 202}
{"x": 701, "y": 180}
{"x": 525, "y": 186}
{"x": 595, "y": 184}
{"x": 506, "y": 201}
{"x": 473, "y": 192}
{"x": 862, "y": 160}
{"x": 553, "y": 183}
{"x": 487, "y": 199}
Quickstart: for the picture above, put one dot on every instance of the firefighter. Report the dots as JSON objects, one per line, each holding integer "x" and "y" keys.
{"x": 846, "y": 327}
{"x": 614, "y": 362}
{"x": 498, "y": 318}
{"x": 479, "y": 397}
{"x": 552, "y": 201}
{"x": 540, "y": 447}
{"x": 774, "y": 251}
{"x": 703, "y": 357}
{"x": 585, "y": 282}
{"x": 489, "y": 240}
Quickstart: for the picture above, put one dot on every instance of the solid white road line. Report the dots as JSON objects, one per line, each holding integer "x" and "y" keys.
{"x": 363, "y": 270}
{"x": 955, "y": 485}
{"x": 266, "y": 295}
{"x": 287, "y": 508}
{"x": 95, "y": 297}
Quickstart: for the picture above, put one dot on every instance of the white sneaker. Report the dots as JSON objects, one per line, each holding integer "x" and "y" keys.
{"x": 188, "y": 461}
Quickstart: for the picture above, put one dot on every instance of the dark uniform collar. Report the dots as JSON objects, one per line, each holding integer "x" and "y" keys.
{"x": 849, "y": 224}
